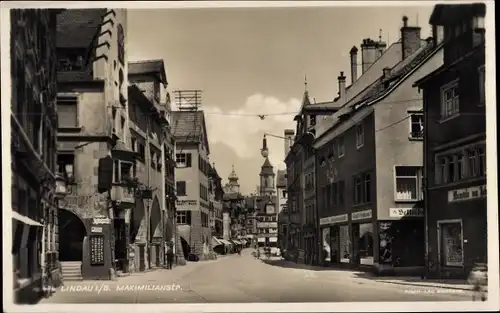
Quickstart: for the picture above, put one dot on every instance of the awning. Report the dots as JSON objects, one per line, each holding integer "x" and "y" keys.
{"x": 216, "y": 242}
{"x": 236, "y": 242}
{"x": 227, "y": 243}
{"x": 24, "y": 219}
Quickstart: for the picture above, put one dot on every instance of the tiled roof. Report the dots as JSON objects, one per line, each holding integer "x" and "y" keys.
{"x": 188, "y": 126}
{"x": 263, "y": 201}
{"x": 77, "y": 27}
{"x": 281, "y": 179}
{"x": 147, "y": 67}
{"x": 267, "y": 168}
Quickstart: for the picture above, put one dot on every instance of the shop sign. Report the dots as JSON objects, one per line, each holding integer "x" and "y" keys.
{"x": 186, "y": 202}
{"x": 333, "y": 219}
{"x": 96, "y": 229}
{"x": 101, "y": 220}
{"x": 406, "y": 212}
{"x": 361, "y": 215}
{"x": 465, "y": 194}
{"x": 267, "y": 224}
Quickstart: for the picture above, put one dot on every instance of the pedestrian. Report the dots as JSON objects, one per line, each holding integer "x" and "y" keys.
{"x": 170, "y": 257}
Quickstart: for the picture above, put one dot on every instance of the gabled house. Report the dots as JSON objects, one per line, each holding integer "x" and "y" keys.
{"x": 370, "y": 165}
{"x": 455, "y": 143}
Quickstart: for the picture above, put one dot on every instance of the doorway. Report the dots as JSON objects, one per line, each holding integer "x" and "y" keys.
{"x": 72, "y": 231}
{"x": 355, "y": 244}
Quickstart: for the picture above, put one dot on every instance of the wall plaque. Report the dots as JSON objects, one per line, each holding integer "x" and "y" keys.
{"x": 97, "y": 249}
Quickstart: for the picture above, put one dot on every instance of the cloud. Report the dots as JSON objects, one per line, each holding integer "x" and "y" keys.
{"x": 242, "y": 129}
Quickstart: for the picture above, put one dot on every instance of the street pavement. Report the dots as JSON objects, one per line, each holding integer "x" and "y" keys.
{"x": 244, "y": 279}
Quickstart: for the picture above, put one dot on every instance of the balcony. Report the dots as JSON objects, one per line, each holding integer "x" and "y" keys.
{"x": 122, "y": 195}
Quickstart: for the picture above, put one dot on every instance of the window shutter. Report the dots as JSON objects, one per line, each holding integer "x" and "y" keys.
{"x": 188, "y": 217}
{"x": 188, "y": 159}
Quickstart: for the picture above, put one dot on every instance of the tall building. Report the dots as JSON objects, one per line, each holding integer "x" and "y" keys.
{"x": 369, "y": 162}
{"x": 455, "y": 143}
{"x": 192, "y": 181}
{"x": 282, "y": 213}
{"x": 216, "y": 194}
{"x": 144, "y": 229}
{"x": 93, "y": 125}
{"x": 33, "y": 149}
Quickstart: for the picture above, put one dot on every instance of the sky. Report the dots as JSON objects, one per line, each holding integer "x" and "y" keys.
{"x": 250, "y": 61}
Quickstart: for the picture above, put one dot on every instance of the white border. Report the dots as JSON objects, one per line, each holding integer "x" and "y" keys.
{"x": 493, "y": 257}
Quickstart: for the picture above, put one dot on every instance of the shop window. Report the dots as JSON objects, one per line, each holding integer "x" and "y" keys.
{"x": 183, "y": 160}
{"x": 360, "y": 136}
{"x": 449, "y": 100}
{"x": 407, "y": 183}
{"x": 183, "y": 217}
{"x": 67, "y": 112}
{"x": 326, "y": 255}
{"x": 451, "y": 245}
{"x": 66, "y": 166}
{"x": 365, "y": 243}
{"x": 181, "y": 188}
{"x": 344, "y": 238}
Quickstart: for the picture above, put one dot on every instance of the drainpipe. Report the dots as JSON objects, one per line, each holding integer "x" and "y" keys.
{"x": 425, "y": 192}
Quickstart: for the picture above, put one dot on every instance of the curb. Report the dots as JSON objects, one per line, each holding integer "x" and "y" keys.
{"x": 428, "y": 285}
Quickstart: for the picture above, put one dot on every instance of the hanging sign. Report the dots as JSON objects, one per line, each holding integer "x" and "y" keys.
{"x": 406, "y": 212}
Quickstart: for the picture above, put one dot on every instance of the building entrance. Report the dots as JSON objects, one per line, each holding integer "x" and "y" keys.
{"x": 72, "y": 231}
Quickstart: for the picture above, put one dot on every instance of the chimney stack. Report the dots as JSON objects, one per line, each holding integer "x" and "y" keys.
{"x": 410, "y": 38}
{"x": 386, "y": 71}
{"x": 369, "y": 53}
{"x": 354, "y": 64}
{"x": 341, "y": 79}
{"x": 289, "y": 133}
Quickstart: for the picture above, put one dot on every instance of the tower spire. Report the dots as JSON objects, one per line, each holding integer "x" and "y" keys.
{"x": 305, "y": 82}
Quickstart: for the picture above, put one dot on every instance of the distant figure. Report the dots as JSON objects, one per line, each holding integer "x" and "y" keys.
{"x": 170, "y": 257}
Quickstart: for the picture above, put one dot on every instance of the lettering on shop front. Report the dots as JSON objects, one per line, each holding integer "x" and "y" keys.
{"x": 465, "y": 194}
{"x": 186, "y": 202}
{"x": 406, "y": 212}
{"x": 333, "y": 219}
{"x": 101, "y": 220}
{"x": 361, "y": 215}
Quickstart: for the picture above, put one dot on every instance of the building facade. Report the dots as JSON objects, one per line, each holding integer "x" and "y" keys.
{"x": 192, "y": 173}
{"x": 282, "y": 214}
{"x": 148, "y": 127}
{"x": 455, "y": 143}
{"x": 370, "y": 168}
{"x": 216, "y": 194}
{"x": 93, "y": 119}
{"x": 33, "y": 149}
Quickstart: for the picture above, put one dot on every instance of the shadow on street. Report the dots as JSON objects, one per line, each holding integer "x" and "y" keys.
{"x": 413, "y": 281}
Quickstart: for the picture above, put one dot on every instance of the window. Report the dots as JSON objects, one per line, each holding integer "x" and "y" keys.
{"x": 407, "y": 183}
{"x": 341, "y": 192}
{"x": 181, "y": 188}
{"x": 366, "y": 188}
{"x": 334, "y": 195}
{"x": 478, "y": 22}
{"x": 66, "y": 166}
{"x": 451, "y": 169}
{"x": 183, "y": 160}
{"x": 67, "y": 112}
{"x": 340, "y": 147}
{"x": 153, "y": 158}
{"x": 141, "y": 150}
{"x": 450, "y": 100}
{"x": 312, "y": 120}
{"x": 123, "y": 171}
{"x": 121, "y": 44}
{"x": 133, "y": 144}
{"x": 360, "y": 136}
{"x": 416, "y": 126}
{"x": 482, "y": 86}
{"x": 460, "y": 166}
{"x": 358, "y": 190}
{"x": 183, "y": 217}
{"x": 451, "y": 244}
{"x": 482, "y": 161}
{"x": 472, "y": 162}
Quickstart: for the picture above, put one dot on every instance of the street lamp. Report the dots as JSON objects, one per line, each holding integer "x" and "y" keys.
{"x": 61, "y": 187}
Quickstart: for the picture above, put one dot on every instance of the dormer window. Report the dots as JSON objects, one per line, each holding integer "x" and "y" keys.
{"x": 121, "y": 45}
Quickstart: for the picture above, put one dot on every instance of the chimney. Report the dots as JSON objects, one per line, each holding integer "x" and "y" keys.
{"x": 341, "y": 79}
{"x": 354, "y": 64}
{"x": 289, "y": 133}
{"x": 386, "y": 71}
{"x": 368, "y": 53}
{"x": 410, "y": 38}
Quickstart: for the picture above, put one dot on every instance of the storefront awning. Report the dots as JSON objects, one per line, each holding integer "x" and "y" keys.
{"x": 24, "y": 219}
{"x": 227, "y": 243}
{"x": 236, "y": 242}
{"x": 216, "y": 242}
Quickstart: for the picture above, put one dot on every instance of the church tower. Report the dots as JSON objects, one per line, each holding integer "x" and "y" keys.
{"x": 267, "y": 174}
{"x": 233, "y": 185}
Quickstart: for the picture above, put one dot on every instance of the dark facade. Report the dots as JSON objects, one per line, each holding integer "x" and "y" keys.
{"x": 455, "y": 143}
{"x": 33, "y": 150}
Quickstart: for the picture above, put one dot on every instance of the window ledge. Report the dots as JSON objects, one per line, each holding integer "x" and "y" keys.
{"x": 69, "y": 129}
{"x": 448, "y": 118}
{"x": 458, "y": 183}
{"x": 415, "y": 138}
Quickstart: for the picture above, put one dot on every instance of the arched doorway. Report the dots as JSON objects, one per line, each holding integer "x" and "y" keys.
{"x": 71, "y": 234}
{"x": 185, "y": 248}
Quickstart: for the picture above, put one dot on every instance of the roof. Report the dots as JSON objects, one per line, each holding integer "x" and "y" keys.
{"x": 443, "y": 14}
{"x": 148, "y": 67}
{"x": 386, "y": 84}
{"x": 266, "y": 168}
{"x": 76, "y": 28}
{"x": 135, "y": 93}
{"x": 189, "y": 126}
{"x": 281, "y": 179}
